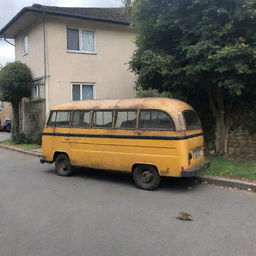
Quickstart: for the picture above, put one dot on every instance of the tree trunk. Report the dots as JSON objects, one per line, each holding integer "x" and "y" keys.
{"x": 16, "y": 119}
{"x": 221, "y": 134}
{"x": 222, "y": 119}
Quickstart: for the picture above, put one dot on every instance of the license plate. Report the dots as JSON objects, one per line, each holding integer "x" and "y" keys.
{"x": 197, "y": 153}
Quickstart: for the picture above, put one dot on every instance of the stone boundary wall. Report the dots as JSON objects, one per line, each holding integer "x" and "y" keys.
{"x": 242, "y": 143}
{"x": 32, "y": 116}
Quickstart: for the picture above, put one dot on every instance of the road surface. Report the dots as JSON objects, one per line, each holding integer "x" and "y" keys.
{"x": 98, "y": 213}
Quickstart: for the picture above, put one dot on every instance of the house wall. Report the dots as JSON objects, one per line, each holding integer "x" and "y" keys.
{"x": 32, "y": 113}
{"x": 35, "y": 57}
{"x": 107, "y": 69}
{"x": 6, "y": 112}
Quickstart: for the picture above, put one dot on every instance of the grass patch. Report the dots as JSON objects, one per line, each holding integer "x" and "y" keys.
{"x": 224, "y": 167}
{"x": 23, "y": 146}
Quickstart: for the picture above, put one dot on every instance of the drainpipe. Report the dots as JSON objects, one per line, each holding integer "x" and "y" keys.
{"x": 46, "y": 76}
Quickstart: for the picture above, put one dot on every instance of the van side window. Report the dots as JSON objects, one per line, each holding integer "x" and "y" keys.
{"x": 62, "y": 119}
{"x": 155, "y": 120}
{"x": 102, "y": 119}
{"x": 126, "y": 119}
{"x": 51, "y": 120}
{"x": 81, "y": 119}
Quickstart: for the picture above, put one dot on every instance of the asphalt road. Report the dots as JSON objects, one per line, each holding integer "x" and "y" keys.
{"x": 98, "y": 213}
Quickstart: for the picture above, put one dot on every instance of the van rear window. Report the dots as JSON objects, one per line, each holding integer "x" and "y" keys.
{"x": 192, "y": 120}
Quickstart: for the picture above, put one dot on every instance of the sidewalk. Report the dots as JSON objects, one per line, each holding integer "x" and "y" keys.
{"x": 205, "y": 179}
{"x": 33, "y": 152}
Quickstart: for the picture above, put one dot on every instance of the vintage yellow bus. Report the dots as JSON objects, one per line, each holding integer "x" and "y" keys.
{"x": 149, "y": 137}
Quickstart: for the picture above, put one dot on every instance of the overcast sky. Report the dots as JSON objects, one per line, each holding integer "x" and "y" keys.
{"x": 9, "y": 8}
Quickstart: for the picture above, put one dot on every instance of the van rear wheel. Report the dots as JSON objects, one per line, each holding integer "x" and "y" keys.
{"x": 63, "y": 165}
{"x": 146, "y": 177}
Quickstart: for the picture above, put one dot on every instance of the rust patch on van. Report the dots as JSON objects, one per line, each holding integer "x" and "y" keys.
{"x": 164, "y": 172}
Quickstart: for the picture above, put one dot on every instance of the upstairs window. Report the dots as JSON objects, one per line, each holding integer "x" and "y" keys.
{"x": 80, "y": 40}
{"x": 82, "y": 91}
{"x": 25, "y": 44}
{"x": 155, "y": 120}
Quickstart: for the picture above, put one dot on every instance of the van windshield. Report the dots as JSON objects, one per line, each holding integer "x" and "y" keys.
{"x": 192, "y": 120}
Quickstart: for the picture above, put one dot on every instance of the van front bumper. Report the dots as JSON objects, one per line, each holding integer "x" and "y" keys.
{"x": 191, "y": 172}
{"x": 43, "y": 161}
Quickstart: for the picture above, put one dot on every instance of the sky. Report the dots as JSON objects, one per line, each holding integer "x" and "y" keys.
{"x": 9, "y": 8}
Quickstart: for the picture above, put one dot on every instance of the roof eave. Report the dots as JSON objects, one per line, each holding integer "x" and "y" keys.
{"x": 29, "y": 9}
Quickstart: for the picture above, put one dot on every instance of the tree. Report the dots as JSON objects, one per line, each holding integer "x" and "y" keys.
{"x": 127, "y": 3}
{"x": 198, "y": 46}
{"x": 15, "y": 83}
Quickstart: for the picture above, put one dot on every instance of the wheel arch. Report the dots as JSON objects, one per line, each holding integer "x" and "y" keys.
{"x": 138, "y": 164}
{"x": 57, "y": 153}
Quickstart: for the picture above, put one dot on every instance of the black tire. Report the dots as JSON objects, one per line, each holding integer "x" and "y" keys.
{"x": 146, "y": 177}
{"x": 63, "y": 165}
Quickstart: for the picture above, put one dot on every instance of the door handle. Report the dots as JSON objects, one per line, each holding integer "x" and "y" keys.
{"x": 66, "y": 138}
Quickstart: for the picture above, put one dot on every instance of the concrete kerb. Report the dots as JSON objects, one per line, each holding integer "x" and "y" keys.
{"x": 227, "y": 182}
{"x": 218, "y": 181}
{"x": 20, "y": 150}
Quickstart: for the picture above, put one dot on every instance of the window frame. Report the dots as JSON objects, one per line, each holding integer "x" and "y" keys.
{"x": 155, "y": 129}
{"x": 81, "y": 127}
{"x": 81, "y": 90}
{"x": 50, "y": 115}
{"x": 69, "y": 121}
{"x": 102, "y": 110}
{"x": 125, "y": 110}
{"x": 23, "y": 44}
{"x": 80, "y": 40}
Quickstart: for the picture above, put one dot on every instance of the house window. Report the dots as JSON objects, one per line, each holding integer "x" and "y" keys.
{"x": 25, "y": 44}
{"x": 82, "y": 91}
{"x": 80, "y": 40}
{"x": 38, "y": 91}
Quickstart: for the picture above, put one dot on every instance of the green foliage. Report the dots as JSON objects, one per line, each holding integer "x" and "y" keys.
{"x": 191, "y": 45}
{"x": 250, "y": 118}
{"x": 15, "y": 82}
{"x": 152, "y": 93}
{"x": 204, "y": 50}
{"x": 27, "y": 138}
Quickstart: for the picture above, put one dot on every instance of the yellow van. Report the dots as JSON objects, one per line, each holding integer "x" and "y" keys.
{"x": 150, "y": 137}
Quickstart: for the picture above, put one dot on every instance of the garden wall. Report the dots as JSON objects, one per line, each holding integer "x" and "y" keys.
{"x": 242, "y": 143}
{"x": 32, "y": 116}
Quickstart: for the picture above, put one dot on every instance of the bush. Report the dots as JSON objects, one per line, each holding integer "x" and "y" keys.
{"x": 27, "y": 138}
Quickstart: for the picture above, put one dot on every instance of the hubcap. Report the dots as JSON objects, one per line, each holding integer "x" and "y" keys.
{"x": 64, "y": 165}
{"x": 147, "y": 176}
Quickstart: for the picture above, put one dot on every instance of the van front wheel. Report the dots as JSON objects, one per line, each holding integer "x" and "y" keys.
{"x": 146, "y": 177}
{"x": 63, "y": 165}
